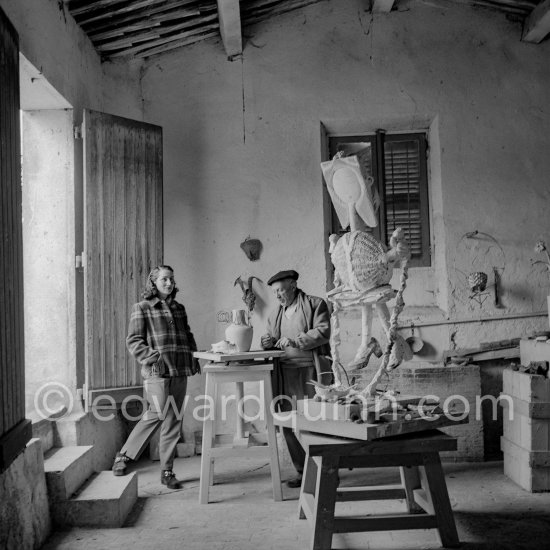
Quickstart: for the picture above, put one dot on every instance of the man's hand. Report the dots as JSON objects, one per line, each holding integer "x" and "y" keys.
{"x": 267, "y": 341}
{"x": 285, "y": 342}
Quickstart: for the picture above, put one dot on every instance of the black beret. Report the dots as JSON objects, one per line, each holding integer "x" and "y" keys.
{"x": 288, "y": 274}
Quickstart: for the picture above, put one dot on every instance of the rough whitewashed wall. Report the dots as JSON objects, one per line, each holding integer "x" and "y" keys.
{"x": 242, "y": 153}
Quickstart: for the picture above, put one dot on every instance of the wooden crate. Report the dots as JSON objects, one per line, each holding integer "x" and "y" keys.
{"x": 531, "y": 388}
{"x": 529, "y": 469}
{"x": 532, "y": 434}
{"x": 526, "y": 430}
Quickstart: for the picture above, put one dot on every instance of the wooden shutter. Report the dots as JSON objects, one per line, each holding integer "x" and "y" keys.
{"x": 123, "y": 241}
{"x": 406, "y": 192}
{"x": 15, "y": 430}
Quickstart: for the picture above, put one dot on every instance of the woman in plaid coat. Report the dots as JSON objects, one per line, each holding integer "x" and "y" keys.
{"x": 161, "y": 341}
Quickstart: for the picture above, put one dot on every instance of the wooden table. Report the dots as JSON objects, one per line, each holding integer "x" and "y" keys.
{"x": 422, "y": 485}
{"x": 252, "y": 366}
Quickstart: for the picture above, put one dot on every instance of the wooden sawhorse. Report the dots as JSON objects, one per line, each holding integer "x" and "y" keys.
{"x": 422, "y": 484}
{"x": 214, "y": 446}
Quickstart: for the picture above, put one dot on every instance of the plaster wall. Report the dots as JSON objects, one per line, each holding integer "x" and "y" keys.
{"x": 51, "y": 41}
{"x": 243, "y": 146}
{"x": 48, "y": 245}
{"x": 24, "y": 509}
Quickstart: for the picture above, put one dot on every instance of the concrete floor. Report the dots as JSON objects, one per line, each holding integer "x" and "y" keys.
{"x": 491, "y": 512}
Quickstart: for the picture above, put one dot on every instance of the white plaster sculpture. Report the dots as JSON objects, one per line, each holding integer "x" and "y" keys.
{"x": 363, "y": 269}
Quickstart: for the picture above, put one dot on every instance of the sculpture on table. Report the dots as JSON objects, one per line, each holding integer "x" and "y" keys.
{"x": 363, "y": 269}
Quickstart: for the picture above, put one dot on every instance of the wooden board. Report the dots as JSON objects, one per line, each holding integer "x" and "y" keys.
{"x": 123, "y": 238}
{"x": 531, "y": 434}
{"x": 529, "y": 469}
{"x": 532, "y": 409}
{"x": 366, "y": 431}
{"x": 336, "y": 411}
{"x": 242, "y": 356}
{"x": 13, "y": 434}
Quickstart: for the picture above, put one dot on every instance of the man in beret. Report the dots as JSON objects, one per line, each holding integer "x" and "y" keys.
{"x": 300, "y": 326}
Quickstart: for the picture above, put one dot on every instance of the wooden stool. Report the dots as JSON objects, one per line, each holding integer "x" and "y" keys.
{"x": 422, "y": 484}
{"x": 214, "y": 446}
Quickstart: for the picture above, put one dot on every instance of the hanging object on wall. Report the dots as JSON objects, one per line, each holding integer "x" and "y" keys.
{"x": 249, "y": 298}
{"x": 477, "y": 281}
{"x": 483, "y": 254}
{"x": 252, "y": 248}
{"x": 496, "y": 277}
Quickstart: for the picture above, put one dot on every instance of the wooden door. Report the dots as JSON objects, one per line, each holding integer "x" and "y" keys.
{"x": 15, "y": 431}
{"x": 123, "y": 239}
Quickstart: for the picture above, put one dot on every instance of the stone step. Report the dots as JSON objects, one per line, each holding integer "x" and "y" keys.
{"x": 104, "y": 501}
{"x": 66, "y": 470}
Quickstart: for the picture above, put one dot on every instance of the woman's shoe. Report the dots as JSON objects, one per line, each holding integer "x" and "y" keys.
{"x": 294, "y": 482}
{"x": 168, "y": 478}
{"x": 119, "y": 465}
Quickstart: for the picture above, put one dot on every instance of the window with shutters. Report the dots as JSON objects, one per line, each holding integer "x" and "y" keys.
{"x": 398, "y": 164}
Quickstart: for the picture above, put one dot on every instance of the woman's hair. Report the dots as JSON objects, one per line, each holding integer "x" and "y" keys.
{"x": 150, "y": 288}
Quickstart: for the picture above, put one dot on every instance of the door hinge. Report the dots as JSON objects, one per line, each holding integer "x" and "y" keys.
{"x": 82, "y": 394}
{"x": 77, "y": 131}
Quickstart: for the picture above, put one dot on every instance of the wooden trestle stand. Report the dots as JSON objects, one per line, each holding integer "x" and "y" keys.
{"x": 252, "y": 366}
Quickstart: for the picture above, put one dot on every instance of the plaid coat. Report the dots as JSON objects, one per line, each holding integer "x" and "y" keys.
{"x": 160, "y": 339}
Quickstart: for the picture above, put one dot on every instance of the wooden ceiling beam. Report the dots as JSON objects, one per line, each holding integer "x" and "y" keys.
{"x": 382, "y": 6}
{"x": 537, "y": 25}
{"x": 135, "y": 24}
{"x": 136, "y": 9}
{"x": 157, "y": 32}
{"x": 213, "y": 28}
{"x": 77, "y": 8}
{"x": 229, "y": 15}
{"x": 177, "y": 44}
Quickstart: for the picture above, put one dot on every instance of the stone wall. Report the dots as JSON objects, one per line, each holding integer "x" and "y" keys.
{"x": 24, "y": 509}
{"x": 456, "y": 385}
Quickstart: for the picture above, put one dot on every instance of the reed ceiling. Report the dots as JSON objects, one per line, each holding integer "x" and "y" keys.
{"x": 144, "y": 28}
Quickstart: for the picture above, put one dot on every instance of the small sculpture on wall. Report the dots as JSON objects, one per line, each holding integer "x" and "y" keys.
{"x": 484, "y": 253}
{"x": 477, "y": 281}
{"x": 252, "y": 248}
{"x": 249, "y": 298}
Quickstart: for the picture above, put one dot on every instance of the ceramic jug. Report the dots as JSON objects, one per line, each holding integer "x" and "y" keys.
{"x": 239, "y": 332}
